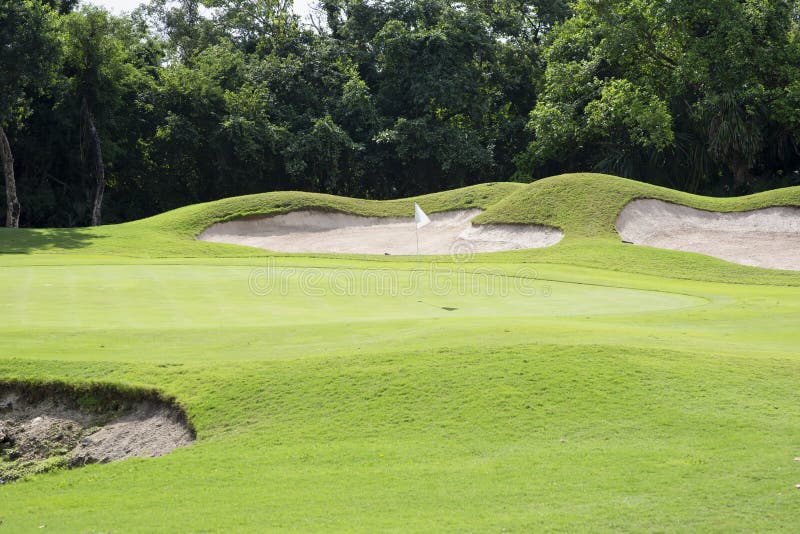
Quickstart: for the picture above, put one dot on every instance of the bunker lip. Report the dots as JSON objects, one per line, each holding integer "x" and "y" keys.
{"x": 768, "y": 237}
{"x": 51, "y": 426}
{"x": 316, "y": 231}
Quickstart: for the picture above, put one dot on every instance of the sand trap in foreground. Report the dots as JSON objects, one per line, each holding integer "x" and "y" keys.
{"x": 40, "y": 431}
{"x": 767, "y": 237}
{"x": 450, "y": 232}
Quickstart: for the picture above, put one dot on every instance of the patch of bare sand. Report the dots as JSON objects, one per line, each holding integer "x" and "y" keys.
{"x": 450, "y": 232}
{"x": 767, "y": 237}
{"x": 35, "y": 436}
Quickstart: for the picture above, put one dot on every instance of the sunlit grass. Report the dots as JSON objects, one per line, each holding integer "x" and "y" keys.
{"x": 588, "y": 386}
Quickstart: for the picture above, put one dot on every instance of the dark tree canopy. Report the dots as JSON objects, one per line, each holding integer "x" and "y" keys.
{"x": 194, "y": 100}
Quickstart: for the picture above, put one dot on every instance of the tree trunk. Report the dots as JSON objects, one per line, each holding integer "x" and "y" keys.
{"x": 740, "y": 169}
{"x": 12, "y": 202}
{"x": 97, "y": 159}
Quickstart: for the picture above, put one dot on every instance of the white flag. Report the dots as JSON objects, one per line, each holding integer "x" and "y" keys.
{"x": 419, "y": 216}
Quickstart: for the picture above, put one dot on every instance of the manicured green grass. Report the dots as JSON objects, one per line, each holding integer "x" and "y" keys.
{"x": 587, "y": 204}
{"x": 589, "y": 386}
{"x": 172, "y": 234}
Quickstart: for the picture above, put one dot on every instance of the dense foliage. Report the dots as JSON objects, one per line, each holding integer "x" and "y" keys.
{"x": 189, "y": 101}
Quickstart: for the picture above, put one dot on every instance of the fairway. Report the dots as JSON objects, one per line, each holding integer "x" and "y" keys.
{"x": 591, "y": 385}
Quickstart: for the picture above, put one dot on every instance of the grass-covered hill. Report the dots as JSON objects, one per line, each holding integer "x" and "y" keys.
{"x": 173, "y": 233}
{"x": 587, "y": 205}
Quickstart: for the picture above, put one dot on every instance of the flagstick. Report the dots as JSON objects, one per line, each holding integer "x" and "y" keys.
{"x": 420, "y": 220}
{"x": 419, "y": 284}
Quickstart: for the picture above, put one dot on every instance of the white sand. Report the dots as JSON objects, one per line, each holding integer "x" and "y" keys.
{"x": 450, "y": 232}
{"x": 767, "y": 237}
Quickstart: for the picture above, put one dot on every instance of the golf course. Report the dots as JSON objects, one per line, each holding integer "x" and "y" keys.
{"x": 587, "y": 384}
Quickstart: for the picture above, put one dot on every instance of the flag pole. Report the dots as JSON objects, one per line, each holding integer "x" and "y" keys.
{"x": 419, "y": 280}
{"x": 420, "y": 220}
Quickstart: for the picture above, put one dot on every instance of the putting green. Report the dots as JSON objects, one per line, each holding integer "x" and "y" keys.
{"x": 175, "y": 296}
{"x": 83, "y": 298}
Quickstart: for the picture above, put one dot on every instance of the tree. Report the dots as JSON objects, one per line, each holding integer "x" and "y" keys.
{"x": 62, "y": 7}
{"x": 98, "y": 66}
{"x": 186, "y": 30}
{"x": 256, "y": 25}
{"x": 27, "y": 49}
{"x": 653, "y": 80}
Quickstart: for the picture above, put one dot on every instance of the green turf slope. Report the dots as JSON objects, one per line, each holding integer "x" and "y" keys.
{"x": 173, "y": 233}
{"x": 601, "y": 401}
{"x": 587, "y": 205}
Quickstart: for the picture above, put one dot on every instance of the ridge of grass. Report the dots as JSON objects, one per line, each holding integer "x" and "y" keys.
{"x": 195, "y": 218}
{"x": 173, "y": 233}
{"x": 585, "y": 206}
{"x": 588, "y": 204}
{"x": 96, "y": 395}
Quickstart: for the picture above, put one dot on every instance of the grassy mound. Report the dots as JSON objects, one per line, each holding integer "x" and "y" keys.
{"x": 587, "y": 205}
{"x": 173, "y": 233}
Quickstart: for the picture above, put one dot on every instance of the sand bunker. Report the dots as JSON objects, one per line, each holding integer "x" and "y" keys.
{"x": 40, "y": 432}
{"x": 767, "y": 237}
{"x": 450, "y": 232}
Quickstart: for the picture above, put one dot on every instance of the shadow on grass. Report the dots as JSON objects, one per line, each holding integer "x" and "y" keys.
{"x": 29, "y": 240}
